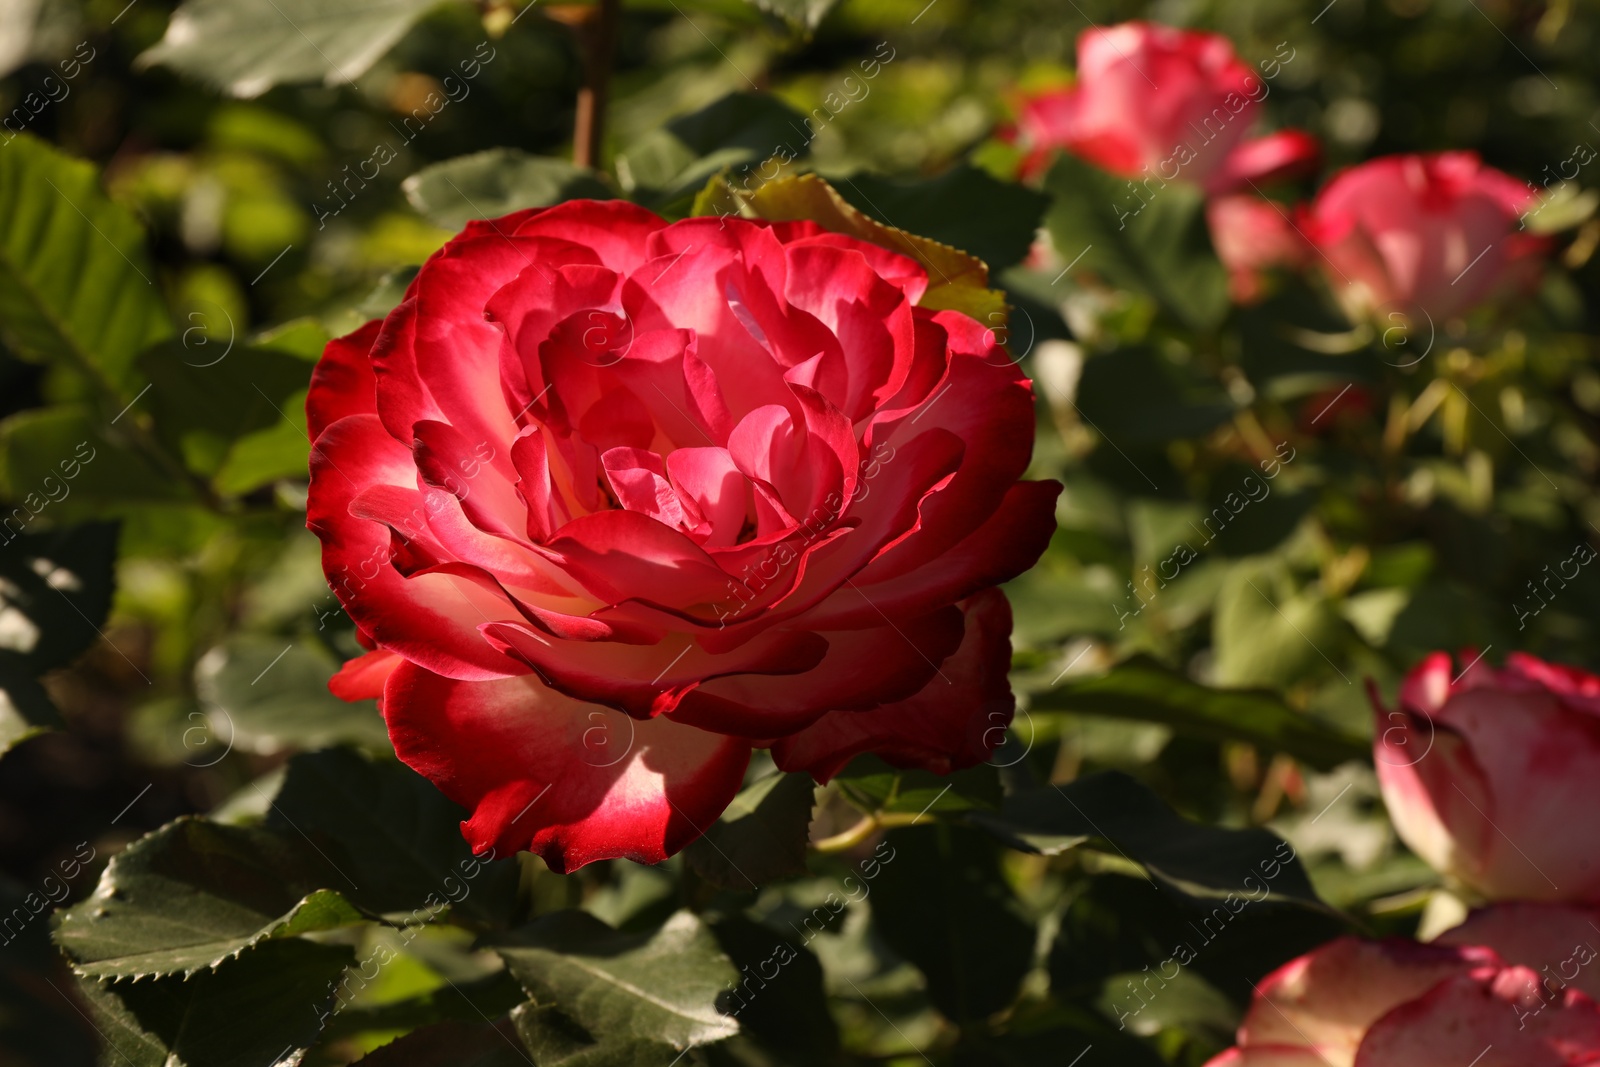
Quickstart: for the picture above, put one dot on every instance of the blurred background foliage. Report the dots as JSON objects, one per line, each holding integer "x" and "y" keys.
{"x": 1422, "y": 508}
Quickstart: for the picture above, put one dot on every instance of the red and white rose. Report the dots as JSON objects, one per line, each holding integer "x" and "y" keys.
{"x": 617, "y": 501}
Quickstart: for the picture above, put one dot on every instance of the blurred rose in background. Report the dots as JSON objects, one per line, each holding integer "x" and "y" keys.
{"x": 1434, "y": 234}
{"x": 1491, "y": 776}
{"x": 1161, "y": 103}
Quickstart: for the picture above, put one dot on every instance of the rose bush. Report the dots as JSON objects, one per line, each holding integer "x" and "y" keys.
{"x": 1482, "y": 774}
{"x": 1162, "y": 104}
{"x": 1435, "y": 234}
{"x": 1483, "y": 997}
{"x": 616, "y": 501}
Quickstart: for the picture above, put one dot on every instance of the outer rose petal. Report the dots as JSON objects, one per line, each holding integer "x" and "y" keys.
{"x": 1428, "y": 686}
{"x": 573, "y": 782}
{"x": 431, "y": 619}
{"x": 1486, "y": 1020}
{"x": 1435, "y": 791}
{"x": 1330, "y": 996}
{"x": 343, "y": 382}
{"x": 1577, "y": 689}
{"x": 364, "y": 677}
{"x": 615, "y": 230}
{"x": 1550, "y": 939}
{"x": 957, "y": 719}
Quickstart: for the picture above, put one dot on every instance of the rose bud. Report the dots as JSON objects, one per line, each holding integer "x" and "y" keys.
{"x": 1422, "y": 238}
{"x": 618, "y": 501}
{"x": 1397, "y": 1003}
{"x": 1161, "y": 104}
{"x": 1483, "y": 773}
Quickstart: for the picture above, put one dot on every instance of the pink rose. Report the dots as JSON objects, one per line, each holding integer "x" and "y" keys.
{"x": 1417, "y": 235}
{"x": 1161, "y": 103}
{"x": 1253, "y": 235}
{"x": 1489, "y": 776}
{"x": 617, "y": 501}
{"x": 1397, "y": 1003}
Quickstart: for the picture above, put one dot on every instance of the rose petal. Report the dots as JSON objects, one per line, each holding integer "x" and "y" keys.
{"x": 1327, "y": 999}
{"x": 569, "y": 781}
{"x": 1489, "y": 1019}
{"x": 363, "y": 678}
{"x": 343, "y": 382}
{"x": 956, "y": 720}
{"x": 1555, "y": 940}
{"x": 432, "y": 619}
{"x": 862, "y": 670}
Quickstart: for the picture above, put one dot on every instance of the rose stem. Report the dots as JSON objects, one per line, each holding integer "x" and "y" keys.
{"x": 597, "y": 37}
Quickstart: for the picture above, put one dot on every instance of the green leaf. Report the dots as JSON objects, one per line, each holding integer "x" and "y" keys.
{"x": 25, "y": 708}
{"x": 454, "y": 1043}
{"x": 268, "y": 694}
{"x": 1135, "y": 397}
{"x": 267, "y": 1007}
{"x": 1187, "y": 1003}
{"x": 280, "y": 451}
{"x": 248, "y": 46}
{"x": 496, "y": 182}
{"x": 876, "y": 786}
{"x": 1000, "y": 232}
{"x": 803, "y": 14}
{"x": 393, "y": 839}
{"x": 788, "y": 1011}
{"x": 555, "y": 1040}
{"x": 657, "y": 986}
{"x": 461, "y": 1000}
{"x": 55, "y": 592}
{"x": 1123, "y": 924}
{"x": 203, "y": 399}
{"x": 193, "y": 894}
{"x": 738, "y": 130}
{"x": 1029, "y": 1046}
{"x": 1266, "y": 632}
{"x": 76, "y": 287}
{"x": 760, "y": 838}
{"x": 941, "y": 902}
{"x": 1131, "y": 821}
{"x": 38, "y": 449}
{"x": 1142, "y": 689}
{"x": 344, "y": 837}
{"x": 1161, "y": 248}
